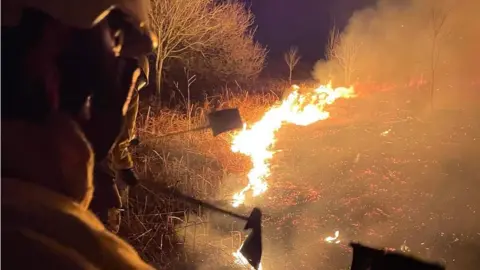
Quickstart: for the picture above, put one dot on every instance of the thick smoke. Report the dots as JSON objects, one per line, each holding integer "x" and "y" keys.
{"x": 404, "y": 41}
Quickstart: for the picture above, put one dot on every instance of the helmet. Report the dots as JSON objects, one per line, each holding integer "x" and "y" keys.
{"x": 80, "y": 14}
{"x": 84, "y": 14}
{"x": 145, "y": 69}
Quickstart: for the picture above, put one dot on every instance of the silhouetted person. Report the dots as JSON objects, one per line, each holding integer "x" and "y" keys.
{"x": 68, "y": 72}
{"x": 114, "y": 176}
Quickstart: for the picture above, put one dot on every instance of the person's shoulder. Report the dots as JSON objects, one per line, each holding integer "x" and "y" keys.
{"x": 118, "y": 251}
{"x": 51, "y": 230}
{"x": 31, "y": 247}
{"x": 27, "y": 249}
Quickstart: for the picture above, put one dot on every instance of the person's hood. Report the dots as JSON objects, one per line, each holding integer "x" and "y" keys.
{"x": 46, "y": 190}
{"x": 55, "y": 155}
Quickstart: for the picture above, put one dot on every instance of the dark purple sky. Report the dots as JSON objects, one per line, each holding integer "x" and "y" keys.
{"x": 301, "y": 23}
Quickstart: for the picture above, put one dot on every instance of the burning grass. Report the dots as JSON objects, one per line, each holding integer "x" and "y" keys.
{"x": 195, "y": 163}
{"x": 374, "y": 172}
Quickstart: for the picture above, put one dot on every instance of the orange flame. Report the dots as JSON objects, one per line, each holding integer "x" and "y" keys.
{"x": 257, "y": 141}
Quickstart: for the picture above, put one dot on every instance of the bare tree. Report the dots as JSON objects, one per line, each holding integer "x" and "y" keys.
{"x": 291, "y": 58}
{"x": 206, "y": 36}
{"x": 344, "y": 50}
{"x": 439, "y": 13}
{"x": 333, "y": 39}
{"x": 234, "y": 54}
{"x": 181, "y": 25}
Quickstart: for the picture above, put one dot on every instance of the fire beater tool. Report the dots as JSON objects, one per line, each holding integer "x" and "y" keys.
{"x": 367, "y": 258}
{"x": 219, "y": 121}
{"x": 251, "y": 248}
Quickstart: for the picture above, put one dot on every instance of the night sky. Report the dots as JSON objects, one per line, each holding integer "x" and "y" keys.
{"x": 301, "y": 23}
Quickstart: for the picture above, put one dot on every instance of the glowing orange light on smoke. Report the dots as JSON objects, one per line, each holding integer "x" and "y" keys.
{"x": 256, "y": 141}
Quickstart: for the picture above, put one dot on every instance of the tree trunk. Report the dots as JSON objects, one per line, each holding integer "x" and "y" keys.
{"x": 347, "y": 76}
{"x": 290, "y": 76}
{"x": 158, "y": 78}
{"x": 432, "y": 72}
{"x": 432, "y": 89}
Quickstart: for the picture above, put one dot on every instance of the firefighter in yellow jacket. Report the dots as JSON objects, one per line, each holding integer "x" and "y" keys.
{"x": 68, "y": 73}
{"x": 120, "y": 156}
{"x": 114, "y": 176}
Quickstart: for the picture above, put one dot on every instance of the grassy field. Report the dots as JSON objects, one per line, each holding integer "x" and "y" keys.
{"x": 379, "y": 171}
{"x": 197, "y": 164}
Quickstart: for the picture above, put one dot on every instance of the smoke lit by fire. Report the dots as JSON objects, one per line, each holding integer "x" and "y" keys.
{"x": 256, "y": 141}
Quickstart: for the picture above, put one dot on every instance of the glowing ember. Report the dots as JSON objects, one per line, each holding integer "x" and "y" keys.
{"x": 333, "y": 239}
{"x": 404, "y": 247}
{"x": 385, "y": 133}
{"x": 257, "y": 141}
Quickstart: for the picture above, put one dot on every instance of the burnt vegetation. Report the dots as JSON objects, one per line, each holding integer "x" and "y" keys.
{"x": 394, "y": 167}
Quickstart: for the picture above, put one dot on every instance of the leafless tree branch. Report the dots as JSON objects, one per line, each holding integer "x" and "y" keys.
{"x": 205, "y": 30}
{"x": 291, "y": 59}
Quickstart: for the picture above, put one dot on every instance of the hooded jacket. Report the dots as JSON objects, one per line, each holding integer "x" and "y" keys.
{"x": 46, "y": 190}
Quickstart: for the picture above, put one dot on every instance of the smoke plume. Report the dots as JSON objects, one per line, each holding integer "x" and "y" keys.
{"x": 408, "y": 42}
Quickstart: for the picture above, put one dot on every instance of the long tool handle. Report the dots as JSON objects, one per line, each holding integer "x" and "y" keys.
{"x": 192, "y": 200}
{"x": 186, "y": 131}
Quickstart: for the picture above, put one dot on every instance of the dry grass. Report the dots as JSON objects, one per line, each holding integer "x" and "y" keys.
{"x": 172, "y": 235}
{"x": 196, "y": 163}
{"x": 165, "y": 231}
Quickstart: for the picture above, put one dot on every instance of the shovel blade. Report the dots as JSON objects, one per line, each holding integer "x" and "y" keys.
{"x": 251, "y": 249}
{"x": 225, "y": 120}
